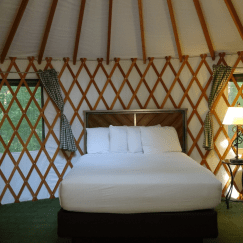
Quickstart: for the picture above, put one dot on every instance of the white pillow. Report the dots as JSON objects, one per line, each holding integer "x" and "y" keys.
{"x": 134, "y": 139}
{"x": 98, "y": 140}
{"x": 118, "y": 139}
{"x": 159, "y": 140}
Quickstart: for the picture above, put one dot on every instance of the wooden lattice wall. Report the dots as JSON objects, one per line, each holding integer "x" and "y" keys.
{"x": 123, "y": 84}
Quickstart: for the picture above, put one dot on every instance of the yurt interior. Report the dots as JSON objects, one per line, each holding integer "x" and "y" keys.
{"x": 121, "y": 120}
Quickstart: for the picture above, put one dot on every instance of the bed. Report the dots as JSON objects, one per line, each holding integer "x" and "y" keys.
{"x": 131, "y": 183}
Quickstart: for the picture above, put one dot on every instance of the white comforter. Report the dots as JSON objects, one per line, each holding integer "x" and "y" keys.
{"x": 137, "y": 183}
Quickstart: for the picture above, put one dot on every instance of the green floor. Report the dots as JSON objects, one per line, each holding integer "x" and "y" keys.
{"x": 30, "y": 221}
{"x": 230, "y": 223}
{"x": 37, "y": 222}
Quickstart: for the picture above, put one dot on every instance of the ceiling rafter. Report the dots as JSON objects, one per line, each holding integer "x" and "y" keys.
{"x": 47, "y": 30}
{"x": 204, "y": 28}
{"x": 14, "y": 29}
{"x": 140, "y": 8}
{"x": 80, "y": 21}
{"x": 234, "y": 16}
{"x": 109, "y": 32}
{"x": 172, "y": 17}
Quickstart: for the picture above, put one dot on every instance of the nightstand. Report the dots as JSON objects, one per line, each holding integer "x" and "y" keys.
{"x": 228, "y": 195}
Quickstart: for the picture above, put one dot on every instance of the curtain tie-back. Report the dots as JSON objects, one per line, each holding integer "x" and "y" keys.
{"x": 66, "y": 135}
{"x": 50, "y": 81}
{"x": 220, "y": 76}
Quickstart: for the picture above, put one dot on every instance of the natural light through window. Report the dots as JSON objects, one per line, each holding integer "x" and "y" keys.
{"x": 232, "y": 93}
{"x": 15, "y": 115}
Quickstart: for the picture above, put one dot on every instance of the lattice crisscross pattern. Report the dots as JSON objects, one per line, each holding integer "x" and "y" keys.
{"x": 161, "y": 83}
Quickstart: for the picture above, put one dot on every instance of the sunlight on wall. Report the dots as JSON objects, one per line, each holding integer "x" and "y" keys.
{"x": 235, "y": 193}
{"x": 224, "y": 144}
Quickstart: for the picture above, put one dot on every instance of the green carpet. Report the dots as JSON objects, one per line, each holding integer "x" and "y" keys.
{"x": 230, "y": 223}
{"x": 30, "y": 222}
{"x": 37, "y": 222}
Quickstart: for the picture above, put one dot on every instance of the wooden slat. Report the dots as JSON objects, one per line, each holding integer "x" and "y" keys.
{"x": 104, "y": 120}
{"x": 204, "y": 28}
{"x": 47, "y": 30}
{"x": 172, "y": 17}
{"x": 92, "y": 77}
{"x": 234, "y": 16}
{"x": 109, "y": 32}
{"x": 107, "y": 82}
{"x": 147, "y": 87}
{"x": 140, "y": 8}
{"x": 80, "y": 21}
{"x": 173, "y": 83}
{"x": 126, "y": 81}
{"x": 160, "y": 80}
{"x": 14, "y": 29}
{"x": 140, "y": 82}
{"x": 134, "y": 88}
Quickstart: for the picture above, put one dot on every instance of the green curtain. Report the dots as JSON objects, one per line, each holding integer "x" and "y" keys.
{"x": 50, "y": 82}
{"x": 220, "y": 77}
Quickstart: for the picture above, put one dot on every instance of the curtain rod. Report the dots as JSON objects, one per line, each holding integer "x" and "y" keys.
{"x": 20, "y": 72}
{"x": 17, "y": 72}
{"x": 58, "y": 72}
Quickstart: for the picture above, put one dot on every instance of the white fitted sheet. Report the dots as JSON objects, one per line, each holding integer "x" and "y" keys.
{"x": 138, "y": 183}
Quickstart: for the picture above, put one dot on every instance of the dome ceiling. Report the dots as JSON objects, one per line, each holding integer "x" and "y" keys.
{"x": 119, "y": 28}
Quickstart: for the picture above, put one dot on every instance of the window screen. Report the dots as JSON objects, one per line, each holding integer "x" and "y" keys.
{"x": 232, "y": 93}
{"x": 20, "y": 111}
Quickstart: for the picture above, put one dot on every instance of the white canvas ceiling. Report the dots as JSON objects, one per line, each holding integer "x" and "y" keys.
{"x": 125, "y": 29}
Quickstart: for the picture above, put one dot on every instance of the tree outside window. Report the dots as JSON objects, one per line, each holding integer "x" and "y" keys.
{"x": 232, "y": 92}
{"x": 15, "y": 115}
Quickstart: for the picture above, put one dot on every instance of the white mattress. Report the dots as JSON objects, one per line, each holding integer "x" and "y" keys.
{"x": 138, "y": 183}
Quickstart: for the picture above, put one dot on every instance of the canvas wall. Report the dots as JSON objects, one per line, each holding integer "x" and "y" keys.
{"x": 123, "y": 84}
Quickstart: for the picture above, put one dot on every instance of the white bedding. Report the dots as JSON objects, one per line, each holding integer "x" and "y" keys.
{"x": 137, "y": 183}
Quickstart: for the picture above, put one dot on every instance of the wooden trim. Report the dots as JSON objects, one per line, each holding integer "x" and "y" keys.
{"x": 110, "y": 119}
{"x": 234, "y": 16}
{"x": 173, "y": 22}
{"x": 204, "y": 28}
{"x": 47, "y": 30}
{"x": 80, "y": 21}
{"x": 14, "y": 29}
{"x": 140, "y": 8}
{"x": 109, "y": 32}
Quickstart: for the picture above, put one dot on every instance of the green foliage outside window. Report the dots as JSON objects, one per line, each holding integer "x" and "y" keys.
{"x": 15, "y": 113}
{"x": 232, "y": 92}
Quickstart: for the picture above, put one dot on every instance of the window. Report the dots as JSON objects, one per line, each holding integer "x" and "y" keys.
{"x": 14, "y": 109}
{"x": 232, "y": 93}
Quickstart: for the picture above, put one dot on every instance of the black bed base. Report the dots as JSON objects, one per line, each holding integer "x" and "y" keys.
{"x": 194, "y": 225}
{"x": 136, "y": 240}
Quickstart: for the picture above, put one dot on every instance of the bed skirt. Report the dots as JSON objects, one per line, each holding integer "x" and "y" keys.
{"x": 191, "y": 224}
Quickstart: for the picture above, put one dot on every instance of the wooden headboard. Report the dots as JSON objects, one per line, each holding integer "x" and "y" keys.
{"x": 141, "y": 117}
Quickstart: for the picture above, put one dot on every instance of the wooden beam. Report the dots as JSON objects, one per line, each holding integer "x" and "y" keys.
{"x": 14, "y": 29}
{"x": 80, "y": 21}
{"x": 234, "y": 16}
{"x": 172, "y": 17}
{"x": 47, "y": 30}
{"x": 204, "y": 28}
{"x": 140, "y": 8}
{"x": 109, "y": 32}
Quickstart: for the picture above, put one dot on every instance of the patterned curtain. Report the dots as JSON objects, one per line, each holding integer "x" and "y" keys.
{"x": 220, "y": 77}
{"x": 50, "y": 82}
